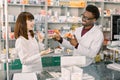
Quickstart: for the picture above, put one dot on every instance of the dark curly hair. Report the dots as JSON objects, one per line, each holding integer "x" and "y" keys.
{"x": 94, "y": 10}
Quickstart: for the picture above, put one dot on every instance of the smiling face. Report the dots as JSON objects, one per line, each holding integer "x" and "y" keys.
{"x": 30, "y": 24}
{"x": 88, "y": 19}
{"x": 90, "y": 16}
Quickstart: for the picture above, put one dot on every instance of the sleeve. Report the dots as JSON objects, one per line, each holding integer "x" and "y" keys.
{"x": 93, "y": 49}
{"x": 67, "y": 44}
{"x": 23, "y": 53}
{"x": 41, "y": 46}
{"x": 13, "y": 54}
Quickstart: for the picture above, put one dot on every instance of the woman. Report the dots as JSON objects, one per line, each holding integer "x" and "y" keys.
{"x": 26, "y": 45}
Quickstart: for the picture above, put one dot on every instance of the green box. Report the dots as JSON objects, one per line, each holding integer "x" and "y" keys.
{"x": 14, "y": 65}
{"x": 51, "y": 61}
{"x": 46, "y": 62}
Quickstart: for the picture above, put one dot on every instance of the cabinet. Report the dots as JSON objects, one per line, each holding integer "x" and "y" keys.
{"x": 110, "y": 8}
{"x": 100, "y": 6}
{"x": 59, "y": 14}
{"x": 63, "y": 15}
{"x": 4, "y": 58}
{"x": 62, "y": 19}
{"x": 49, "y": 15}
{"x": 37, "y": 8}
{"x": 107, "y": 8}
{"x": 1, "y": 23}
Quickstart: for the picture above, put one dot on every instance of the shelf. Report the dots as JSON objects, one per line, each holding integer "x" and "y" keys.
{"x": 10, "y": 4}
{"x": 39, "y": 22}
{"x": 61, "y": 10}
{"x": 1, "y": 8}
{"x": 107, "y": 16}
{"x": 93, "y": 1}
{"x": 9, "y": 39}
{"x": 35, "y": 22}
{"x": 64, "y": 7}
{"x": 56, "y": 6}
{"x": 11, "y": 22}
{"x": 108, "y": 2}
{"x": 106, "y": 31}
{"x": 64, "y": 22}
{"x": 32, "y": 5}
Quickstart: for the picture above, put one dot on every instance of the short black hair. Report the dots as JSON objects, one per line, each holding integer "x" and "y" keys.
{"x": 94, "y": 10}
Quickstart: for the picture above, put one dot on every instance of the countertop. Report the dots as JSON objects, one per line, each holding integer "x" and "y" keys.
{"x": 98, "y": 70}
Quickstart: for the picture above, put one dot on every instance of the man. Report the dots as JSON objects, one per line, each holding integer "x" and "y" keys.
{"x": 87, "y": 39}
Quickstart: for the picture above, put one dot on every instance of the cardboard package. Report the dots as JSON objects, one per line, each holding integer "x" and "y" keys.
{"x": 72, "y": 73}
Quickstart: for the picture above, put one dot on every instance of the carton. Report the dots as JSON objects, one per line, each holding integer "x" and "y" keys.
{"x": 71, "y": 73}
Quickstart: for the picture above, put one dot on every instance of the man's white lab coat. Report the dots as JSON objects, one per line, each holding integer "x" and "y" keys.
{"x": 89, "y": 44}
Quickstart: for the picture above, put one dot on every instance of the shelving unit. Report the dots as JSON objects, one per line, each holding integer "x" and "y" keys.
{"x": 1, "y": 23}
{"x": 42, "y": 17}
{"x": 100, "y": 5}
{"x": 59, "y": 14}
{"x": 56, "y": 16}
{"x": 108, "y": 8}
{"x": 4, "y": 32}
{"x": 62, "y": 16}
{"x": 37, "y": 9}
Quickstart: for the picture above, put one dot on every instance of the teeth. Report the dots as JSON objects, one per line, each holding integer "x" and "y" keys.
{"x": 83, "y": 22}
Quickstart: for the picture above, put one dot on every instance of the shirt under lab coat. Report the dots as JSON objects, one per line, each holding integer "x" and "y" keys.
{"x": 29, "y": 54}
{"x": 89, "y": 44}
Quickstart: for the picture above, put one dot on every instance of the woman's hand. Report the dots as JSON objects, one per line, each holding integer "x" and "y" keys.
{"x": 40, "y": 37}
{"x": 45, "y": 52}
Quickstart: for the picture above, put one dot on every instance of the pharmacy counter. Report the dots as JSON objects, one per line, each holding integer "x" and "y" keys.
{"x": 98, "y": 70}
{"x": 52, "y": 63}
{"x": 101, "y": 72}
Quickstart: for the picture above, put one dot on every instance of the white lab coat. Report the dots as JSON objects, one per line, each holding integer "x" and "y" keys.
{"x": 89, "y": 44}
{"x": 29, "y": 54}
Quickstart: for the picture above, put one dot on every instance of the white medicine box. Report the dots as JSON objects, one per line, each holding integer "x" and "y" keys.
{"x": 72, "y": 73}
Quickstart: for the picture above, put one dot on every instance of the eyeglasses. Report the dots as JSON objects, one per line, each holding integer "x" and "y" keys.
{"x": 86, "y": 18}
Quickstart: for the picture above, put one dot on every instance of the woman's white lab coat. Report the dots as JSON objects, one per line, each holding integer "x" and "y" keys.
{"x": 28, "y": 52}
{"x": 89, "y": 44}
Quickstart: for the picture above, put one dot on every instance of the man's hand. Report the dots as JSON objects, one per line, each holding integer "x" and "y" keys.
{"x": 73, "y": 41}
{"x": 56, "y": 37}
